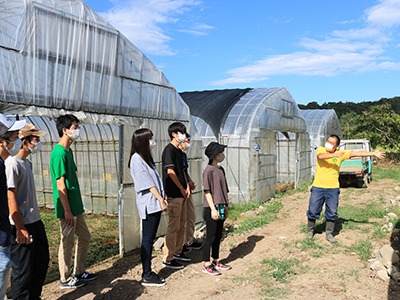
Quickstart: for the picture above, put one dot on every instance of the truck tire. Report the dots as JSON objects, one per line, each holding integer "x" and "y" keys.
{"x": 364, "y": 182}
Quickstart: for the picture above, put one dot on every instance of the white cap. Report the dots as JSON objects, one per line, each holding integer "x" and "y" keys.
{"x": 7, "y": 124}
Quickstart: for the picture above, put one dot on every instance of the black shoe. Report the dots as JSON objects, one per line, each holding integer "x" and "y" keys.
{"x": 182, "y": 257}
{"x": 86, "y": 276}
{"x": 172, "y": 264}
{"x": 185, "y": 249}
{"x": 153, "y": 280}
{"x": 195, "y": 246}
{"x": 73, "y": 283}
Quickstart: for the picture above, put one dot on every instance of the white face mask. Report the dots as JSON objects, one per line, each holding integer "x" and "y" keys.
{"x": 187, "y": 147}
{"x": 328, "y": 146}
{"x": 38, "y": 147}
{"x": 15, "y": 149}
{"x": 152, "y": 144}
{"x": 220, "y": 158}
{"x": 181, "y": 138}
{"x": 75, "y": 135}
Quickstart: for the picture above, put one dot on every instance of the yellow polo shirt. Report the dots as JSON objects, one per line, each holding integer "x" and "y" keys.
{"x": 327, "y": 173}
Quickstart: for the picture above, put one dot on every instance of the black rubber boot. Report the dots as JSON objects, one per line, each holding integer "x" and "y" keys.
{"x": 330, "y": 227}
{"x": 310, "y": 231}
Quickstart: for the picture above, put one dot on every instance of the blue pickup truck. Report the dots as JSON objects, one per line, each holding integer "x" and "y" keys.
{"x": 356, "y": 170}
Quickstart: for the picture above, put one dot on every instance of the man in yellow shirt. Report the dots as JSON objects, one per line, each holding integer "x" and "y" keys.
{"x": 325, "y": 188}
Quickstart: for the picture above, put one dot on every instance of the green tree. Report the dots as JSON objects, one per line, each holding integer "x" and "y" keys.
{"x": 381, "y": 125}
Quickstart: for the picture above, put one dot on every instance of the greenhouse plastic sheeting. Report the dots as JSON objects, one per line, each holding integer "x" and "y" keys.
{"x": 321, "y": 123}
{"x": 60, "y": 57}
{"x": 61, "y": 54}
{"x": 248, "y": 128}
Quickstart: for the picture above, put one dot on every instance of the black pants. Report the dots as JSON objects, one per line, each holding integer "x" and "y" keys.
{"x": 214, "y": 234}
{"x": 29, "y": 263}
{"x": 149, "y": 230}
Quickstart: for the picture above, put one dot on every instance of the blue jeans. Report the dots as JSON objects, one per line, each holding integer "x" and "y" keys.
{"x": 318, "y": 197}
{"x": 149, "y": 230}
{"x": 5, "y": 264}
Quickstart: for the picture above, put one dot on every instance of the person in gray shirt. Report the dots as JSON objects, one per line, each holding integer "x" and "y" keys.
{"x": 150, "y": 198}
{"x": 29, "y": 246}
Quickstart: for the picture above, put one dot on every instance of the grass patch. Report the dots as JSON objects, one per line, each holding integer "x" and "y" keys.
{"x": 303, "y": 188}
{"x": 236, "y": 209}
{"x": 389, "y": 172}
{"x": 103, "y": 241}
{"x": 363, "y": 248}
{"x": 278, "y": 270}
{"x": 262, "y": 219}
{"x": 273, "y": 293}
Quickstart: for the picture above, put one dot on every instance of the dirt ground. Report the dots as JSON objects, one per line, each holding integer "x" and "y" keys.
{"x": 327, "y": 276}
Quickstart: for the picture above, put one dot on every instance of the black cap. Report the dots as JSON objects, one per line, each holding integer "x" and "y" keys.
{"x": 213, "y": 149}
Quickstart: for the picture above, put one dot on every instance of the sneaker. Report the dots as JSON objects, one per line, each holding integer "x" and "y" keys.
{"x": 172, "y": 264}
{"x": 185, "y": 249}
{"x": 182, "y": 257}
{"x": 220, "y": 266}
{"x": 86, "y": 276}
{"x": 153, "y": 280}
{"x": 73, "y": 283}
{"x": 210, "y": 270}
{"x": 195, "y": 246}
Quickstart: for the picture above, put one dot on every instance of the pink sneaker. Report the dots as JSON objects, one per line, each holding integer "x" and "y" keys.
{"x": 220, "y": 266}
{"x": 210, "y": 270}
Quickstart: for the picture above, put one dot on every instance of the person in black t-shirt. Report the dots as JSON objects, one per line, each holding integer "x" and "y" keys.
{"x": 178, "y": 191}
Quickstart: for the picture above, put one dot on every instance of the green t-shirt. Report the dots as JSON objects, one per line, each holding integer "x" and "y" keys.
{"x": 62, "y": 164}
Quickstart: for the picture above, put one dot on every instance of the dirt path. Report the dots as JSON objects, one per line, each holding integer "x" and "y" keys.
{"x": 339, "y": 274}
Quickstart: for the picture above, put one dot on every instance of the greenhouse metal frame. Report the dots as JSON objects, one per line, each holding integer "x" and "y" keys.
{"x": 250, "y": 122}
{"x": 59, "y": 57}
{"x": 321, "y": 123}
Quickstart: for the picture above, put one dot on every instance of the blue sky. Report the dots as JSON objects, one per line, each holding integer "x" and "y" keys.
{"x": 324, "y": 51}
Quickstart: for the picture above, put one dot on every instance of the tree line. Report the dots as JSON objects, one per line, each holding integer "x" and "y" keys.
{"x": 377, "y": 121}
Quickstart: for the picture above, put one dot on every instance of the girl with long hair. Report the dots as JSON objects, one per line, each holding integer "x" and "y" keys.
{"x": 150, "y": 198}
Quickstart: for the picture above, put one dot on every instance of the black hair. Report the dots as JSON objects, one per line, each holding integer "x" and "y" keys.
{"x": 337, "y": 139}
{"x": 66, "y": 122}
{"x": 175, "y": 127}
{"x": 28, "y": 138}
{"x": 6, "y": 136}
{"x": 141, "y": 146}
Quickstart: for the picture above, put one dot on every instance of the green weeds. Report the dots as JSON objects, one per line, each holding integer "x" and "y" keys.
{"x": 262, "y": 219}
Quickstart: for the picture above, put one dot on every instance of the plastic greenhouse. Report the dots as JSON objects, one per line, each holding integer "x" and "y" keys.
{"x": 265, "y": 135}
{"x": 321, "y": 123}
{"x": 60, "y": 56}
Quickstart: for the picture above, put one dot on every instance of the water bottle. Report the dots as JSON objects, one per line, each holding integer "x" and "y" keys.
{"x": 67, "y": 230}
{"x": 221, "y": 211}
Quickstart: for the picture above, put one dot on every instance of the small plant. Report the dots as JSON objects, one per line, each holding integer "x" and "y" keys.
{"x": 378, "y": 232}
{"x": 363, "y": 247}
{"x": 281, "y": 268}
{"x": 264, "y": 218}
{"x": 343, "y": 285}
{"x": 275, "y": 292}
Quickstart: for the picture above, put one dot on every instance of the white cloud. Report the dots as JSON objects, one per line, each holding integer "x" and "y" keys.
{"x": 343, "y": 51}
{"x": 361, "y": 34}
{"x": 334, "y": 45}
{"x": 198, "y": 29}
{"x": 143, "y": 22}
{"x": 385, "y": 14}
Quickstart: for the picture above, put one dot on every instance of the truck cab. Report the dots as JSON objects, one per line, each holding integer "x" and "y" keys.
{"x": 356, "y": 170}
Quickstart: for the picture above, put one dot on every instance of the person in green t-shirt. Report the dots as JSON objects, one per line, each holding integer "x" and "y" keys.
{"x": 69, "y": 206}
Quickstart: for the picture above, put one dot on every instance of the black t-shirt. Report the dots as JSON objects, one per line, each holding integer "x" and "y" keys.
{"x": 172, "y": 157}
{"x": 5, "y": 227}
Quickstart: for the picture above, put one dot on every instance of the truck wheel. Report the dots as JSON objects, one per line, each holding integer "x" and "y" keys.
{"x": 365, "y": 181}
